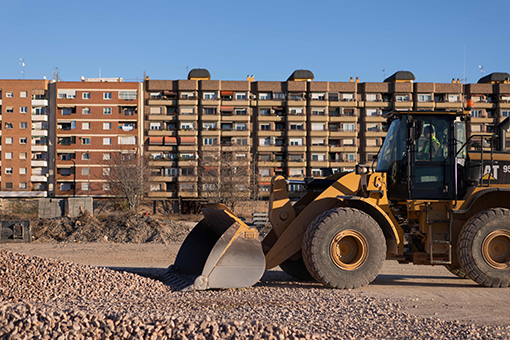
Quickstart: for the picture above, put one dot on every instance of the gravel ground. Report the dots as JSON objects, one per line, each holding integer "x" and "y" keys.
{"x": 42, "y": 298}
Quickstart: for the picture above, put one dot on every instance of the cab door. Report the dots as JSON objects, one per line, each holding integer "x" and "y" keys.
{"x": 431, "y": 159}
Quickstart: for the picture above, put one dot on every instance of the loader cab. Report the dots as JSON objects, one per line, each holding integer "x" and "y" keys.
{"x": 420, "y": 157}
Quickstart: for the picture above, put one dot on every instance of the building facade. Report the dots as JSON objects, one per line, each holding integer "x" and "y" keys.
{"x": 56, "y": 136}
{"x": 24, "y": 138}
{"x": 93, "y": 118}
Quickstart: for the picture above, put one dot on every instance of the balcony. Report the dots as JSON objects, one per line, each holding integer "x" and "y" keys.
{"x": 39, "y": 132}
{"x": 39, "y": 102}
{"x": 39, "y": 147}
{"x": 39, "y": 178}
{"x": 39, "y": 118}
{"x": 39, "y": 163}
{"x": 163, "y": 194}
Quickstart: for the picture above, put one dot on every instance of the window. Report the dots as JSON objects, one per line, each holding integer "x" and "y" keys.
{"x": 318, "y": 111}
{"x": 107, "y": 126}
{"x": 67, "y": 111}
{"x": 296, "y": 172}
{"x": 85, "y": 141}
{"x": 85, "y": 95}
{"x": 350, "y": 157}
{"x": 505, "y": 113}
{"x": 23, "y": 140}
{"x": 241, "y": 96}
{"x": 210, "y": 141}
{"x": 23, "y": 185}
{"x": 106, "y": 156}
{"x": 107, "y": 95}
{"x": 279, "y": 95}
{"x": 296, "y": 110}
{"x": 66, "y": 94}
{"x": 402, "y": 97}
{"x": 39, "y": 110}
{"x": 106, "y": 171}
{"x": 371, "y": 142}
{"x": 424, "y": 97}
{"x": 85, "y": 111}
{"x": 241, "y": 112}
{"x": 241, "y": 141}
{"x": 153, "y": 126}
{"x": 9, "y": 140}
{"x": 318, "y": 141}
{"x": 318, "y": 157}
{"x": 22, "y": 155}
{"x": 209, "y": 111}
{"x": 22, "y": 125}
{"x": 8, "y": 171}
{"x": 318, "y": 126}
{"x": 265, "y": 96}
{"x": 294, "y": 126}
{"x": 127, "y": 95}
{"x": 372, "y": 127}
{"x": 476, "y": 113}
{"x": 210, "y": 95}
{"x": 8, "y": 126}
{"x": 85, "y": 126}
{"x": 23, "y": 94}
{"x": 348, "y": 127}
{"x": 107, "y": 141}
{"x": 371, "y": 97}
{"x": 107, "y": 110}
{"x": 241, "y": 126}
{"x": 318, "y": 96}
{"x": 9, "y": 109}
{"x": 453, "y": 98}
{"x": 85, "y": 156}
{"x": 8, "y": 185}
{"x": 8, "y": 155}
{"x": 22, "y": 171}
{"x": 23, "y": 109}
{"x": 85, "y": 186}
{"x": 9, "y": 94}
{"x": 372, "y": 112}
{"x": 65, "y": 186}
{"x": 348, "y": 96}
{"x": 296, "y": 142}
{"x": 127, "y": 140}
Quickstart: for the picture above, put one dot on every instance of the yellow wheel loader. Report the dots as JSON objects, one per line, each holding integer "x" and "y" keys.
{"x": 436, "y": 197}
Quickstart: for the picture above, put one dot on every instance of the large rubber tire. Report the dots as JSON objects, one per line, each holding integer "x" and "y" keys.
{"x": 457, "y": 271}
{"x": 484, "y": 248}
{"x": 344, "y": 248}
{"x": 296, "y": 269}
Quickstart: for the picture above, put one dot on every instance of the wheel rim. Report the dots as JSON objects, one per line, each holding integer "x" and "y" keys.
{"x": 349, "y": 249}
{"x": 496, "y": 249}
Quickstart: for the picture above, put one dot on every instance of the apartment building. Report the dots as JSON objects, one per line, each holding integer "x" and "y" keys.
{"x": 24, "y": 138}
{"x": 93, "y": 118}
{"x": 296, "y": 128}
{"x": 57, "y": 136}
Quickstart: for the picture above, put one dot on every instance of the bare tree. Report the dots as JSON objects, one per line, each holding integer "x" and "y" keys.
{"x": 128, "y": 176}
{"x": 225, "y": 174}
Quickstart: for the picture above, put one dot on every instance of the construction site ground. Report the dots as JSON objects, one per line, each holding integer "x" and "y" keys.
{"x": 428, "y": 291}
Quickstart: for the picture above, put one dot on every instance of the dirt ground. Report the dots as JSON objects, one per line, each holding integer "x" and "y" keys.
{"x": 419, "y": 290}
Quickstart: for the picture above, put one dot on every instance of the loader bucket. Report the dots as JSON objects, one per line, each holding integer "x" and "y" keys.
{"x": 220, "y": 252}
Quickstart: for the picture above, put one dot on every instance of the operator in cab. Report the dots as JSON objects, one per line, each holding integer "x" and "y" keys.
{"x": 431, "y": 144}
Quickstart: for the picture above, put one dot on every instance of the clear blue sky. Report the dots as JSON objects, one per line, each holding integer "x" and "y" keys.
{"x": 269, "y": 39}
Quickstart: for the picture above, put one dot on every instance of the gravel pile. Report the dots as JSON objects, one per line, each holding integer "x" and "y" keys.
{"x": 118, "y": 228}
{"x": 41, "y": 298}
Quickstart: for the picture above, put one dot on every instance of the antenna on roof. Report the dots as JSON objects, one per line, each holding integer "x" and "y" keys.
{"x": 22, "y": 65}
{"x": 384, "y": 72}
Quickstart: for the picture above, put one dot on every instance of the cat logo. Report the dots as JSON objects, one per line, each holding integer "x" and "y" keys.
{"x": 490, "y": 174}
